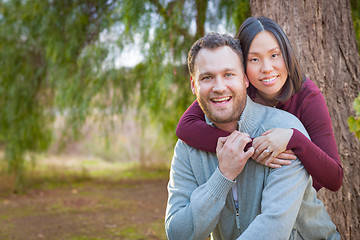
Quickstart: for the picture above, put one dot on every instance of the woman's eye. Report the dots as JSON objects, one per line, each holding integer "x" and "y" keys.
{"x": 274, "y": 55}
{"x": 206, "y": 78}
{"x": 253, "y": 60}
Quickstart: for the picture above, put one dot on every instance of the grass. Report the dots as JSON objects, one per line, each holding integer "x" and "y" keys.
{"x": 88, "y": 238}
{"x": 93, "y": 194}
{"x": 130, "y": 233}
{"x": 92, "y": 191}
{"x": 50, "y": 172}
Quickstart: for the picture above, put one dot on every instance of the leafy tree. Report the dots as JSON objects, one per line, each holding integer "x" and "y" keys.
{"x": 355, "y": 12}
{"x": 354, "y": 121}
{"x": 166, "y": 30}
{"x": 57, "y": 59}
{"x": 51, "y": 63}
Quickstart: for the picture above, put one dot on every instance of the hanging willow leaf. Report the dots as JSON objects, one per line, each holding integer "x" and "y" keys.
{"x": 58, "y": 58}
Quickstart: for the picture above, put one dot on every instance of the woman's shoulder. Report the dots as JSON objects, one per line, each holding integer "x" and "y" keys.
{"x": 274, "y": 118}
{"x": 308, "y": 94}
{"x": 309, "y": 87}
{"x": 308, "y": 91}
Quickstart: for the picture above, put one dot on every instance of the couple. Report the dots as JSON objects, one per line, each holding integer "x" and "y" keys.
{"x": 227, "y": 194}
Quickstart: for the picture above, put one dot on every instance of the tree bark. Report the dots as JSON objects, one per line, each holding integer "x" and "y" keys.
{"x": 323, "y": 37}
{"x": 201, "y": 7}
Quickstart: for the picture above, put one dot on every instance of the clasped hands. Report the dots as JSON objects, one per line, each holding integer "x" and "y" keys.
{"x": 268, "y": 149}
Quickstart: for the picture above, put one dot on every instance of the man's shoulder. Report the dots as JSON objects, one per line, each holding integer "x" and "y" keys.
{"x": 184, "y": 148}
{"x": 279, "y": 113}
{"x": 272, "y": 113}
{"x": 277, "y": 118}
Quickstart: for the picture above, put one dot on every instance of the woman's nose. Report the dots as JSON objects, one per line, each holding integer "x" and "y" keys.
{"x": 267, "y": 66}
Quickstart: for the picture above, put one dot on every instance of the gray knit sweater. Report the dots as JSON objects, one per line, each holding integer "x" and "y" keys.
{"x": 272, "y": 203}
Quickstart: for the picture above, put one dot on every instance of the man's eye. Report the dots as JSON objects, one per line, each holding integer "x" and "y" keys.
{"x": 206, "y": 78}
{"x": 229, "y": 75}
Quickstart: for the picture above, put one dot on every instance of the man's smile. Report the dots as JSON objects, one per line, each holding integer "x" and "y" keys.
{"x": 220, "y": 100}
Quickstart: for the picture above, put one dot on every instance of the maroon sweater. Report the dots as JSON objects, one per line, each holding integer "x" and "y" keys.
{"x": 320, "y": 156}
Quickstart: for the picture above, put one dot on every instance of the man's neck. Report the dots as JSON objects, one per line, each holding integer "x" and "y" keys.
{"x": 229, "y": 127}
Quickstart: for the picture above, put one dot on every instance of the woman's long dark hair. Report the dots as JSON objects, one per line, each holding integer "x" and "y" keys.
{"x": 246, "y": 34}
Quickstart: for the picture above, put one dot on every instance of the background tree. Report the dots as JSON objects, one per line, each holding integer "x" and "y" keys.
{"x": 322, "y": 34}
{"x": 165, "y": 31}
{"x": 58, "y": 58}
{"x": 50, "y": 63}
{"x": 354, "y": 121}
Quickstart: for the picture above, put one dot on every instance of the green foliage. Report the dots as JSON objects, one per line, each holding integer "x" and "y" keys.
{"x": 235, "y": 12}
{"x": 354, "y": 121}
{"x": 56, "y": 58}
{"x": 166, "y": 30}
{"x": 50, "y": 63}
{"x": 355, "y": 12}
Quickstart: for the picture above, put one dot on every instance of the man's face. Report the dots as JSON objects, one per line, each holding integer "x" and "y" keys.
{"x": 220, "y": 84}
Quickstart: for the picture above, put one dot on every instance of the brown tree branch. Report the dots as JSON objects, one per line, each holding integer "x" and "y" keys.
{"x": 165, "y": 14}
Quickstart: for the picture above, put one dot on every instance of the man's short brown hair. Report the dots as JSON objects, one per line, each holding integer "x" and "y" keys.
{"x": 212, "y": 41}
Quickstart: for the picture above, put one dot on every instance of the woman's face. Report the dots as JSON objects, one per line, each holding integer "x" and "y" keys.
{"x": 266, "y": 68}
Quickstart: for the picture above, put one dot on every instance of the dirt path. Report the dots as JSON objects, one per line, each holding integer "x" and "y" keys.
{"x": 96, "y": 210}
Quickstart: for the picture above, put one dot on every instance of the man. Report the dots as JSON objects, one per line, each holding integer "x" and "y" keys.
{"x": 229, "y": 195}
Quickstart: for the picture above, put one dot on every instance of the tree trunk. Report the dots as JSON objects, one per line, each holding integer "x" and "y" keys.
{"x": 322, "y": 35}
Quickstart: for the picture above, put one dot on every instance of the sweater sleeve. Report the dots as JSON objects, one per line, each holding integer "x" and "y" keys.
{"x": 193, "y": 211}
{"x": 281, "y": 200}
{"x": 319, "y": 155}
{"x": 193, "y": 130}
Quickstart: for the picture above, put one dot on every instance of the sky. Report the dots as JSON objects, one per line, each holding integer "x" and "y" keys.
{"x": 131, "y": 54}
{"x": 129, "y": 57}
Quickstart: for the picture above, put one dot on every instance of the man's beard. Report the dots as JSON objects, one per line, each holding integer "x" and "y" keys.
{"x": 226, "y": 117}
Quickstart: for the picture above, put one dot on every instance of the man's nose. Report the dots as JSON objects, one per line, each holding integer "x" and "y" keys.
{"x": 267, "y": 66}
{"x": 219, "y": 85}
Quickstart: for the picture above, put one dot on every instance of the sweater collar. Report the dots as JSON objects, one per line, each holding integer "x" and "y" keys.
{"x": 249, "y": 118}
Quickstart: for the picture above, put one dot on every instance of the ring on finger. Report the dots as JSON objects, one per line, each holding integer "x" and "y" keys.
{"x": 267, "y": 150}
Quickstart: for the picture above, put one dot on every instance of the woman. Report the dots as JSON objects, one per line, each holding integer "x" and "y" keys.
{"x": 276, "y": 80}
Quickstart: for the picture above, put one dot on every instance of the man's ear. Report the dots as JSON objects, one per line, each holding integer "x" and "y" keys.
{"x": 246, "y": 81}
{"x": 192, "y": 85}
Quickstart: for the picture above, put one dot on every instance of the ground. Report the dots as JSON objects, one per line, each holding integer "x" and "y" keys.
{"x": 84, "y": 209}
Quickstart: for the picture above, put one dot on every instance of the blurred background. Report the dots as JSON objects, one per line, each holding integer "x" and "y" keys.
{"x": 90, "y": 94}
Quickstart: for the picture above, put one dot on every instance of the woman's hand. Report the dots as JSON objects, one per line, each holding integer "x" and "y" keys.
{"x": 270, "y": 148}
{"x": 283, "y": 158}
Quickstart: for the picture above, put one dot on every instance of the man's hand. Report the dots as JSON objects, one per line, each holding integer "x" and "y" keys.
{"x": 231, "y": 155}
